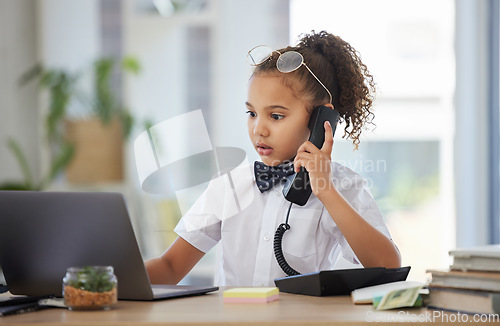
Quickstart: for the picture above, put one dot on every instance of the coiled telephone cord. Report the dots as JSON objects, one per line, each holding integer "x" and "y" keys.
{"x": 278, "y": 251}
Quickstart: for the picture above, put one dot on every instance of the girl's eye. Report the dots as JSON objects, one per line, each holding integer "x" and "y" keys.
{"x": 252, "y": 114}
{"x": 276, "y": 116}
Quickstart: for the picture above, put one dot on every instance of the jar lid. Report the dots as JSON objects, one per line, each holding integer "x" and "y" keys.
{"x": 79, "y": 269}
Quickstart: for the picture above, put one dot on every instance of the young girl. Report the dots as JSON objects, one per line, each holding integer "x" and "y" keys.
{"x": 340, "y": 218}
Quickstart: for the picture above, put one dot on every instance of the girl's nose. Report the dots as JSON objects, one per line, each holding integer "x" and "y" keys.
{"x": 260, "y": 128}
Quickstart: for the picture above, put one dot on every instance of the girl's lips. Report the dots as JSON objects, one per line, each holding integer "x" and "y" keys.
{"x": 264, "y": 150}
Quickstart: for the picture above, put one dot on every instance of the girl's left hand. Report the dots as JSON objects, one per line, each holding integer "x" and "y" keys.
{"x": 317, "y": 162}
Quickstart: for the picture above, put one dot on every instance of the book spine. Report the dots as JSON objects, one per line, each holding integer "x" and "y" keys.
{"x": 495, "y": 303}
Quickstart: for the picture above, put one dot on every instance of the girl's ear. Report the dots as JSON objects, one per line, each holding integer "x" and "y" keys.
{"x": 330, "y": 105}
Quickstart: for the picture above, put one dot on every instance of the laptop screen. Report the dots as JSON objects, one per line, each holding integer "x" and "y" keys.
{"x": 44, "y": 233}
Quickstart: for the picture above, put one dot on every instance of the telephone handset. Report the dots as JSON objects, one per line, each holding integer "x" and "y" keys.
{"x": 297, "y": 188}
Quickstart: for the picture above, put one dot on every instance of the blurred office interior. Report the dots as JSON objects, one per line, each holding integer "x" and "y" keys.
{"x": 432, "y": 161}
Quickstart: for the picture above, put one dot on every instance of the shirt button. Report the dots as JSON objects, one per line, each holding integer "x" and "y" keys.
{"x": 266, "y": 237}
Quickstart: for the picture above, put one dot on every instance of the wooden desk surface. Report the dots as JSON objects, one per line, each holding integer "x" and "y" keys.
{"x": 210, "y": 309}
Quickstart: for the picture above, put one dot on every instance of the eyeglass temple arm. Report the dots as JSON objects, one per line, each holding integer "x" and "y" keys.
{"x": 319, "y": 81}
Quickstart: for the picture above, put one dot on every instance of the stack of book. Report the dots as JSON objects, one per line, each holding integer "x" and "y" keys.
{"x": 471, "y": 284}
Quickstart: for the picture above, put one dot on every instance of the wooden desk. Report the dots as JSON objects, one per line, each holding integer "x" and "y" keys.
{"x": 211, "y": 310}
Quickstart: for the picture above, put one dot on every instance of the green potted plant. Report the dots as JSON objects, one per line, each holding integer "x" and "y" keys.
{"x": 109, "y": 122}
{"x": 60, "y": 86}
{"x": 98, "y": 139}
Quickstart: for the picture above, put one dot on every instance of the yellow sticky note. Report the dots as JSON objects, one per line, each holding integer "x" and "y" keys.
{"x": 251, "y": 292}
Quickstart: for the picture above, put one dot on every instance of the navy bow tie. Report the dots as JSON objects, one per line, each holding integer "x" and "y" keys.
{"x": 269, "y": 176}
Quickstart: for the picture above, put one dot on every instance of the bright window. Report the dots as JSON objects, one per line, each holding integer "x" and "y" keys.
{"x": 408, "y": 158}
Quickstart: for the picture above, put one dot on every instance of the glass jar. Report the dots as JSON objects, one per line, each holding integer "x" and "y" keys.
{"x": 90, "y": 288}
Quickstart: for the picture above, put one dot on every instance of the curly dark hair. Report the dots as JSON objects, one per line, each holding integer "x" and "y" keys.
{"x": 339, "y": 67}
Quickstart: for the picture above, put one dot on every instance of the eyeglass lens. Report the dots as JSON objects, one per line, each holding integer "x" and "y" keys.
{"x": 289, "y": 61}
{"x": 259, "y": 54}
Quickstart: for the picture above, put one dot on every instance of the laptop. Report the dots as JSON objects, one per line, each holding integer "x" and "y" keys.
{"x": 44, "y": 233}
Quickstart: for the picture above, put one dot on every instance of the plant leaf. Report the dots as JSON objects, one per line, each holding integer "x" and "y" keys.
{"x": 22, "y": 161}
{"x": 15, "y": 186}
{"x": 61, "y": 88}
{"x": 131, "y": 65}
{"x": 30, "y": 74}
{"x": 105, "y": 103}
{"x": 60, "y": 161}
{"x": 127, "y": 123}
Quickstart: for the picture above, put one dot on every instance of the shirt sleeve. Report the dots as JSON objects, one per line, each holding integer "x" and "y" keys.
{"x": 201, "y": 225}
{"x": 354, "y": 188}
{"x": 202, "y": 230}
{"x": 225, "y": 197}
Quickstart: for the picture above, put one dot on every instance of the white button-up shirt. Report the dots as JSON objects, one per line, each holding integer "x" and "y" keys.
{"x": 232, "y": 210}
